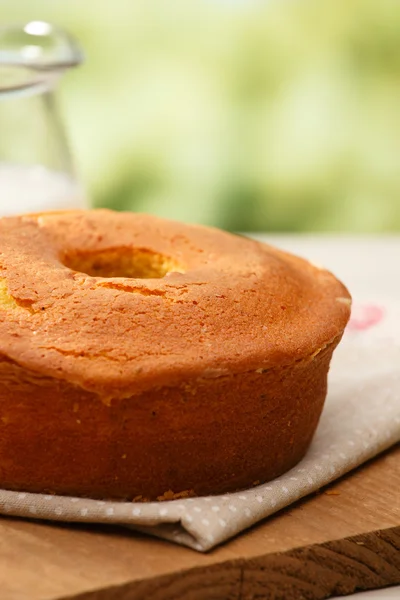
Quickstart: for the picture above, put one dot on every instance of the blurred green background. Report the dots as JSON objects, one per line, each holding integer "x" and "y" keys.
{"x": 282, "y": 115}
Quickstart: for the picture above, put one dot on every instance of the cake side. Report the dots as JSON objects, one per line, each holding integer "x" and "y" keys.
{"x": 208, "y": 436}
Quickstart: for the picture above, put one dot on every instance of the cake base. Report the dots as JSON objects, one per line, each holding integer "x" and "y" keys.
{"x": 209, "y": 436}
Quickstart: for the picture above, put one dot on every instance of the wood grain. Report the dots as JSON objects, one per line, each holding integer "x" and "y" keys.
{"x": 343, "y": 539}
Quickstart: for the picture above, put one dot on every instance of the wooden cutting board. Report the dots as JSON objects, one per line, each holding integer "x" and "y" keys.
{"x": 347, "y": 537}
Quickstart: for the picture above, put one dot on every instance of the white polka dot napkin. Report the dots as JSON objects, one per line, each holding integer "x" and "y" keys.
{"x": 361, "y": 418}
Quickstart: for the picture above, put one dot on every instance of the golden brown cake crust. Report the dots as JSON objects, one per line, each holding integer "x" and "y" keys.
{"x": 208, "y": 436}
{"x": 204, "y": 378}
{"x": 238, "y": 305}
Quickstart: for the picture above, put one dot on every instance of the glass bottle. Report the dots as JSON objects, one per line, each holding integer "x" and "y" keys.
{"x": 36, "y": 170}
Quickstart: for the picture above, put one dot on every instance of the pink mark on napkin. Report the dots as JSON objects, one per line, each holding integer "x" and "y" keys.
{"x": 365, "y": 316}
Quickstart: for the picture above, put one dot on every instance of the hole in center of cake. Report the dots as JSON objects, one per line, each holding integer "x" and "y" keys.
{"x": 137, "y": 263}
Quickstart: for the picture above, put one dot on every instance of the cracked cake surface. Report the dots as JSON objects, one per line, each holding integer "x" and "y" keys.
{"x": 120, "y": 303}
{"x": 142, "y": 358}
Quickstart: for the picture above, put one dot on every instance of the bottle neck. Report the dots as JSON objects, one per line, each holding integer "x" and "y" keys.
{"x": 18, "y": 80}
